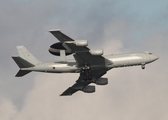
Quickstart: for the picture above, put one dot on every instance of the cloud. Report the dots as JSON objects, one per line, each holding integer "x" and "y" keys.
{"x": 132, "y": 93}
{"x": 116, "y": 26}
{"x": 7, "y": 109}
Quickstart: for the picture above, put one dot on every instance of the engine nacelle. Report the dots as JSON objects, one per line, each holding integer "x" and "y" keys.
{"x": 89, "y": 89}
{"x": 55, "y": 49}
{"x": 101, "y": 81}
{"x": 96, "y": 52}
{"x": 82, "y": 43}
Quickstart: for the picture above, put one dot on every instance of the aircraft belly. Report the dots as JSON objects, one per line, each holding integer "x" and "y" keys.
{"x": 127, "y": 61}
{"x": 55, "y": 68}
{"x": 66, "y": 70}
{"x": 63, "y": 68}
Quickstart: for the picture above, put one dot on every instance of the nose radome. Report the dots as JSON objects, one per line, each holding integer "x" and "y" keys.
{"x": 154, "y": 57}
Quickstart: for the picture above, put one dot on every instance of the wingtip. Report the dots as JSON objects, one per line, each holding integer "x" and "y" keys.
{"x": 65, "y": 95}
{"x": 53, "y": 30}
{"x": 20, "y": 46}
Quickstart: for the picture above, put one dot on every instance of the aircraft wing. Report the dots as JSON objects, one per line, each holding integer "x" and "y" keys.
{"x": 81, "y": 83}
{"x": 63, "y": 38}
{"x": 85, "y": 58}
{"x": 77, "y": 86}
{"x": 60, "y": 36}
{"x": 96, "y": 63}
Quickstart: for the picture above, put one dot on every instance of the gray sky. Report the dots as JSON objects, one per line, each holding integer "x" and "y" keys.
{"x": 118, "y": 26}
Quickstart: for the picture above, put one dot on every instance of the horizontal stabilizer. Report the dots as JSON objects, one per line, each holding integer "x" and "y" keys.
{"x": 22, "y": 63}
{"x": 22, "y": 73}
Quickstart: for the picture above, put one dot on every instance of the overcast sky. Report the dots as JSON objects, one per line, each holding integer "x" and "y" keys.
{"x": 118, "y": 26}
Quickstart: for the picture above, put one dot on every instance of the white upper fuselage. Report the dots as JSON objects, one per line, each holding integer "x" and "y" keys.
{"x": 118, "y": 60}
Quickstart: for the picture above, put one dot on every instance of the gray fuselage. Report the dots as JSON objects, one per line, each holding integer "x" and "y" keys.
{"x": 118, "y": 60}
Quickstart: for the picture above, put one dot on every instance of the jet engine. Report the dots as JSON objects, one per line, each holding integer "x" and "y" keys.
{"x": 89, "y": 89}
{"x": 101, "y": 81}
{"x": 96, "y": 52}
{"x": 82, "y": 43}
{"x": 57, "y": 47}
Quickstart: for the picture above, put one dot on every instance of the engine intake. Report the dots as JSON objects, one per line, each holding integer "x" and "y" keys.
{"x": 89, "y": 89}
{"x": 101, "y": 81}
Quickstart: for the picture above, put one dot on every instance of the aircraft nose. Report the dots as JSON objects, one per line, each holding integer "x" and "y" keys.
{"x": 154, "y": 57}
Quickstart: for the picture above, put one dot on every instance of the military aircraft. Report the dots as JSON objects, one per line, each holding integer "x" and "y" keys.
{"x": 90, "y": 63}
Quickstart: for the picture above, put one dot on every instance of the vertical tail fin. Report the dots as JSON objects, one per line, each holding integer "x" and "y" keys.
{"x": 25, "y": 60}
{"x": 25, "y": 54}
